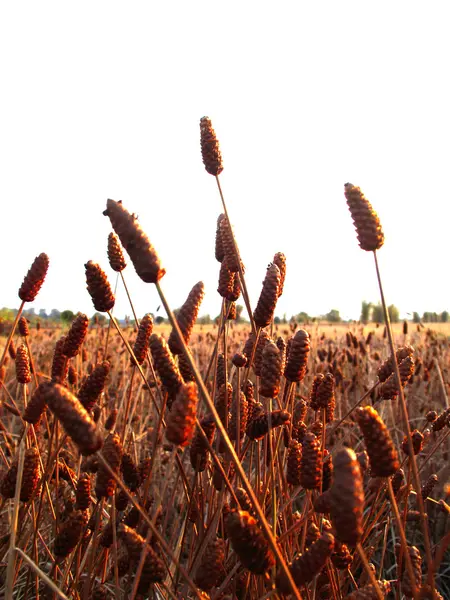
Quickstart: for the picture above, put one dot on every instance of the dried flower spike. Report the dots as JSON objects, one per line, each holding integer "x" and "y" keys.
{"x": 295, "y": 369}
{"x": 70, "y": 534}
{"x": 24, "y": 330}
{"x": 112, "y": 452}
{"x": 141, "y": 345}
{"x": 366, "y": 221}
{"x": 98, "y": 287}
{"x": 30, "y": 477}
{"x": 75, "y": 336}
{"x": 272, "y": 363}
{"x": 115, "y": 253}
{"x": 249, "y": 542}
{"x": 83, "y": 492}
{"x": 165, "y": 366}
{"x": 311, "y": 463}
{"x": 186, "y": 317}
{"x": 23, "y": 372}
{"x": 153, "y": 570}
{"x": 212, "y": 567}
{"x": 181, "y": 420}
{"x": 219, "y": 251}
{"x": 280, "y": 260}
{"x": 380, "y": 448}
{"x": 212, "y": 158}
{"x": 74, "y": 417}
{"x": 263, "y": 313}
{"x": 199, "y": 450}
{"x": 36, "y": 406}
{"x": 92, "y": 388}
{"x": 34, "y": 278}
{"x": 135, "y": 241}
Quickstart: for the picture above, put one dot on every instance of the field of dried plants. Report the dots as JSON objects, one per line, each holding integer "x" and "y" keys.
{"x": 226, "y": 461}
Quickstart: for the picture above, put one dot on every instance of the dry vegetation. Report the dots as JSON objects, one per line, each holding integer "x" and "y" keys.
{"x": 225, "y": 461}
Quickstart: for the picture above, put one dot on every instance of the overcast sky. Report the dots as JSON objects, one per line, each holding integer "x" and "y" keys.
{"x": 103, "y": 99}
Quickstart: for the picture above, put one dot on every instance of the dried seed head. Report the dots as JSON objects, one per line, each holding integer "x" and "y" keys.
{"x": 306, "y": 566}
{"x": 231, "y": 311}
{"x": 248, "y": 541}
{"x": 83, "y": 492}
{"x": 199, "y": 450}
{"x": 98, "y": 287}
{"x": 417, "y": 440}
{"x": 74, "y": 417}
{"x": 382, "y": 453}
{"x": 105, "y": 484}
{"x": 232, "y": 257}
{"x": 153, "y": 570}
{"x": 280, "y": 260}
{"x": 115, "y": 253}
{"x": 387, "y": 368}
{"x": 72, "y": 375}
{"x": 226, "y": 280}
{"x": 431, "y": 416}
{"x": 263, "y": 313}
{"x": 317, "y": 382}
{"x": 233, "y": 293}
{"x": 24, "y": 330}
{"x": 35, "y": 407}
{"x": 223, "y": 401}
{"x": 110, "y": 422}
{"x": 416, "y": 561}
{"x": 92, "y": 388}
{"x": 75, "y": 336}
{"x": 23, "y": 373}
{"x": 243, "y": 417}
{"x": 366, "y": 221}
{"x": 30, "y": 477}
{"x": 272, "y": 363}
{"x": 298, "y": 357}
{"x": 258, "y": 427}
{"x": 181, "y": 420}
{"x": 428, "y": 486}
{"x": 311, "y": 463}
{"x": 135, "y": 241}
{"x": 389, "y": 389}
{"x": 165, "y": 366}
{"x": 293, "y": 463}
{"x": 12, "y": 350}
{"x": 442, "y": 420}
{"x": 369, "y": 592}
{"x": 34, "y": 278}
{"x": 185, "y": 368}
{"x": 186, "y": 317}
{"x": 219, "y": 251}
{"x": 141, "y": 344}
{"x": 347, "y": 497}
{"x": 59, "y": 363}
{"x": 212, "y": 567}
{"x": 70, "y": 534}
{"x": 130, "y": 472}
{"x": 325, "y": 393}
{"x": 212, "y": 158}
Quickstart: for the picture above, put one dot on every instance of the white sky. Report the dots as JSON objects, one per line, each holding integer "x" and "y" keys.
{"x": 103, "y": 99}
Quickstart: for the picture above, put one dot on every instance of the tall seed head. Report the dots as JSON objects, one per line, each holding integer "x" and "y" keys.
{"x": 212, "y": 158}
{"x": 36, "y": 406}
{"x": 232, "y": 257}
{"x": 98, "y": 287}
{"x": 272, "y": 362}
{"x": 199, "y": 450}
{"x": 263, "y": 313}
{"x": 165, "y": 366}
{"x": 143, "y": 255}
{"x": 24, "y": 330}
{"x": 181, "y": 420}
{"x": 186, "y": 317}
{"x": 380, "y": 448}
{"x": 280, "y": 260}
{"x": 248, "y": 541}
{"x": 34, "y": 278}
{"x": 93, "y": 386}
{"x": 112, "y": 451}
{"x": 311, "y": 463}
{"x": 366, "y": 221}
{"x": 141, "y": 345}
{"x": 59, "y": 362}
{"x": 219, "y": 251}
{"x": 23, "y": 372}
{"x": 76, "y": 335}
{"x": 300, "y": 346}
{"x": 115, "y": 253}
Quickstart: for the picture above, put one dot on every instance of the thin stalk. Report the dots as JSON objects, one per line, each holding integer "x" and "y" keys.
{"x": 369, "y": 572}
{"x": 11, "y": 333}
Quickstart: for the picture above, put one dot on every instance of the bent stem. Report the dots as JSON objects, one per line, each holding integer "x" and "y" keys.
{"x": 404, "y": 410}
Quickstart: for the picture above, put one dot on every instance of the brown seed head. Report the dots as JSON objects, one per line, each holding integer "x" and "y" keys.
{"x": 271, "y": 370}
{"x": 306, "y": 566}
{"x": 263, "y": 313}
{"x": 72, "y": 375}
{"x": 165, "y": 366}
{"x": 112, "y": 451}
{"x": 416, "y": 561}
{"x": 441, "y": 421}
{"x": 115, "y": 253}
{"x": 243, "y": 417}
{"x": 366, "y": 221}
{"x": 199, "y": 450}
{"x": 24, "y": 330}
{"x": 23, "y": 373}
{"x": 135, "y": 241}
{"x": 153, "y": 570}
{"x": 248, "y": 541}
{"x": 185, "y": 368}
{"x": 293, "y": 463}
{"x": 92, "y": 388}
{"x": 212, "y": 567}
{"x": 226, "y": 281}
{"x": 186, "y": 317}
{"x": 70, "y": 534}
{"x": 219, "y": 251}
{"x": 347, "y": 497}
{"x": 98, "y": 287}
{"x": 74, "y": 417}
{"x": 298, "y": 356}
{"x": 382, "y": 453}
{"x": 83, "y": 492}
{"x": 181, "y": 420}
{"x": 212, "y": 158}
{"x": 232, "y": 257}
{"x": 36, "y": 406}
{"x": 325, "y": 392}
{"x": 141, "y": 344}
{"x": 60, "y": 365}
{"x": 311, "y": 463}
{"x": 387, "y": 368}
{"x": 280, "y": 260}
{"x": 75, "y": 336}
{"x": 34, "y": 278}
{"x": 389, "y": 389}
{"x": 368, "y": 592}
{"x": 258, "y": 427}
{"x": 130, "y": 472}
{"x": 30, "y": 477}
{"x": 428, "y": 486}
{"x": 417, "y": 440}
